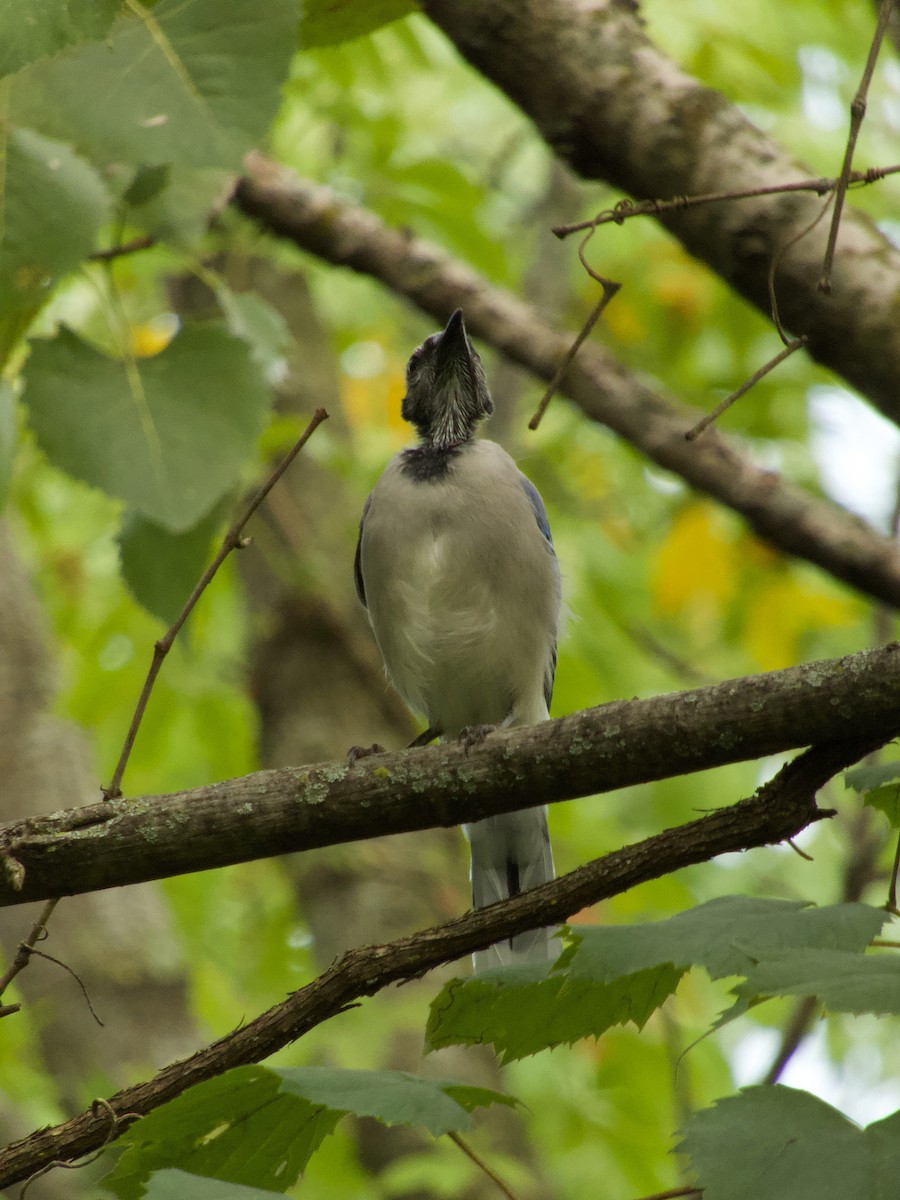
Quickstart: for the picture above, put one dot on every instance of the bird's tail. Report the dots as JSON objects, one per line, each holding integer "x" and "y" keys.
{"x": 511, "y": 854}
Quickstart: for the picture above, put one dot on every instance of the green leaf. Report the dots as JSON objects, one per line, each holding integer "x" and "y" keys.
{"x": 393, "y": 1097}
{"x": 872, "y": 775}
{"x": 327, "y": 22}
{"x": 179, "y": 1185}
{"x": 260, "y": 1125}
{"x": 168, "y": 434}
{"x": 726, "y": 936}
{"x": 191, "y": 82}
{"x": 610, "y": 975}
{"x": 239, "y": 1127}
{"x": 521, "y": 1010}
{"x": 30, "y": 29}
{"x": 161, "y": 567}
{"x": 52, "y": 205}
{"x": 173, "y": 204}
{"x": 787, "y": 1145}
{"x": 887, "y": 800}
{"x": 841, "y": 980}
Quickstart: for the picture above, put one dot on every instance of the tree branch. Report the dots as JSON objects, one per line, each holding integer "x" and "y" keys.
{"x": 617, "y": 745}
{"x": 780, "y": 809}
{"x": 616, "y": 109}
{"x": 318, "y": 221}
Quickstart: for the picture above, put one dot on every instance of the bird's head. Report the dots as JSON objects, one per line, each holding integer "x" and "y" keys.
{"x": 446, "y": 390}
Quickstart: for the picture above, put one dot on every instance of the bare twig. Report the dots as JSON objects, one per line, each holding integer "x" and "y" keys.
{"x": 23, "y": 954}
{"x": 799, "y": 1026}
{"x": 745, "y": 387}
{"x": 778, "y": 258}
{"x": 231, "y": 541}
{"x": 144, "y": 242}
{"x": 610, "y": 287}
{"x": 857, "y": 114}
{"x": 626, "y": 209}
{"x": 75, "y": 976}
{"x": 481, "y": 1164}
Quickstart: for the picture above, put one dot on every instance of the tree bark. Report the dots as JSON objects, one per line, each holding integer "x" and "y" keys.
{"x": 119, "y": 842}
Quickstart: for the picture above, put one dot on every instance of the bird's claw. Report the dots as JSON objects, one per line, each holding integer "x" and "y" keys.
{"x": 474, "y": 735}
{"x": 355, "y": 753}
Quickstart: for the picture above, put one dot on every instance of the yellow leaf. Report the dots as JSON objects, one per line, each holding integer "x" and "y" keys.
{"x": 783, "y": 611}
{"x": 696, "y": 566}
{"x": 151, "y": 338}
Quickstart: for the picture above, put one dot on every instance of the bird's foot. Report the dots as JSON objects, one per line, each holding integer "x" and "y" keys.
{"x": 355, "y": 753}
{"x": 474, "y": 735}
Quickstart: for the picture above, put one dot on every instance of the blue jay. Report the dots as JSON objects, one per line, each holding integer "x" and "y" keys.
{"x": 456, "y": 567}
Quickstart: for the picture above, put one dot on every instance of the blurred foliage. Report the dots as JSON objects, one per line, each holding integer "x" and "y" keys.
{"x": 664, "y": 589}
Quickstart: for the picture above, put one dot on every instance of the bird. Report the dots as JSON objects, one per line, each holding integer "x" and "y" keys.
{"x": 456, "y": 567}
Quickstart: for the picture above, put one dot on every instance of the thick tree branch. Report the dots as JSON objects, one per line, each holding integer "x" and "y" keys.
{"x": 778, "y": 810}
{"x": 119, "y": 842}
{"x": 615, "y": 108}
{"x": 791, "y": 520}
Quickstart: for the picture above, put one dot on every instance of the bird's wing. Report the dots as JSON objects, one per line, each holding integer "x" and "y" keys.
{"x": 357, "y": 561}
{"x": 540, "y": 516}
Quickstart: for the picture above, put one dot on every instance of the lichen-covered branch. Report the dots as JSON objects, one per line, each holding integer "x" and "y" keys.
{"x": 617, "y": 745}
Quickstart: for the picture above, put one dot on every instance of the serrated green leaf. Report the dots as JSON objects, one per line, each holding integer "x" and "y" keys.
{"x": 168, "y": 434}
{"x": 886, "y": 800}
{"x": 259, "y": 1125}
{"x": 872, "y": 775}
{"x": 841, "y": 980}
{"x": 787, "y": 1145}
{"x": 725, "y": 936}
{"x": 191, "y": 82}
{"x": 521, "y": 1010}
{"x": 393, "y": 1097}
{"x": 30, "y": 29}
{"x": 179, "y": 1185}
{"x": 161, "y": 567}
{"x": 240, "y": 1127}
{"x": 328, "y": 22}
{"x": 52, "y": 205}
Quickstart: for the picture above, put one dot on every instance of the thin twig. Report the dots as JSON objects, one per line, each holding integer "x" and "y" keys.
{"x": 610, "y": 287}
{"x": 778, "y": 258}
{"x": 800, "y": 1025}
{"x": 23, "y": 954}
{"x": 481, "y": 1164}
{"x": 857, "y": 114}
{"x": 231, "y": 541}
{"x": 75, "y": 976}
{"x": 144, "y": 242}
{"x": 764, "y": 370}
{"x": 626, "y": 209}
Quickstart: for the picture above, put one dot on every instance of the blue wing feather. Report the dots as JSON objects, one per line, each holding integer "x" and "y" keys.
{"x": 357, "y": 561}
{"x": 537, "y": 507}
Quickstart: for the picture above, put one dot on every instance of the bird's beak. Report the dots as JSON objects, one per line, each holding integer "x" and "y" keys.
{"x": 454, "y": 342}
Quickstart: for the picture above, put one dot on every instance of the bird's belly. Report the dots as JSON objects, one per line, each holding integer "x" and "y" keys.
{"x": 451, "y": 644}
